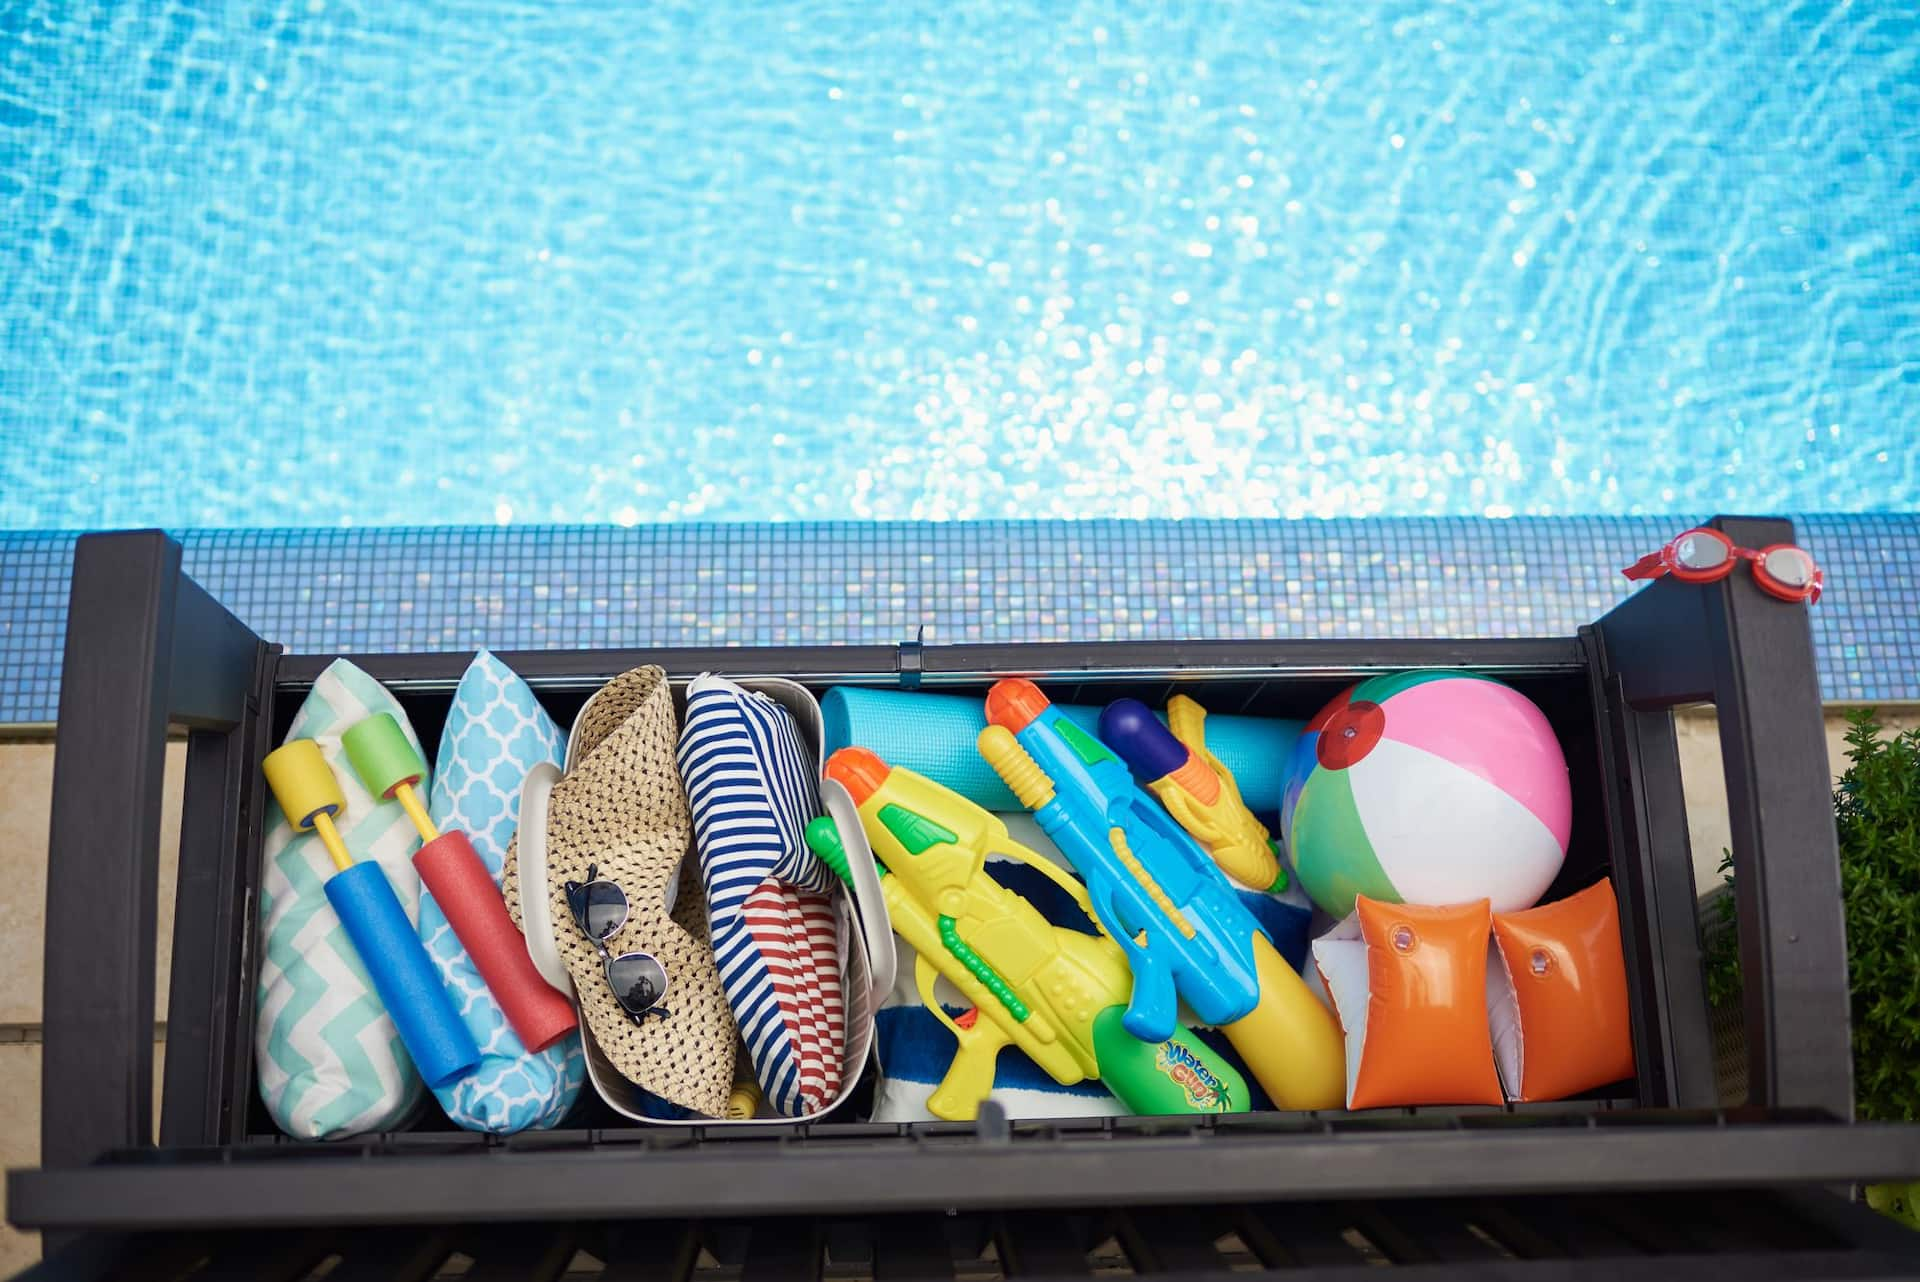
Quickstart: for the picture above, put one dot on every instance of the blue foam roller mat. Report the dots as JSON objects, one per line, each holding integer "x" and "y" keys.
{"x": 436, "y": 1037}
{"x": 934, "y": 735}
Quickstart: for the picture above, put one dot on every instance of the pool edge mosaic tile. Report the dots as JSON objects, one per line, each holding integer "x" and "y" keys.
{"x": 586, "y": 587}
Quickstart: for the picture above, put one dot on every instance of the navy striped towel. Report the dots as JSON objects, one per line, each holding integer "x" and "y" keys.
{"x": 752, "y": 788}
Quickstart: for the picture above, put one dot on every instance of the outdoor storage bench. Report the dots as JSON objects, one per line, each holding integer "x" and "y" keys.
{"x": 1654, "y": 1170}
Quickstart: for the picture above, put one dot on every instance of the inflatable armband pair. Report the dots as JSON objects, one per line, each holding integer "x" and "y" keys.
{"x": 1432, "y": 1015}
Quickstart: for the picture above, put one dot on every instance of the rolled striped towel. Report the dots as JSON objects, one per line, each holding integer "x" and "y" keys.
{"x": 752, "y": 787}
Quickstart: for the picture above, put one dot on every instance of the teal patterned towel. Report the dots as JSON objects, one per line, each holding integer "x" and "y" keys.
{"x": 496, "y": 732}
{"x": 330, "y": 1061}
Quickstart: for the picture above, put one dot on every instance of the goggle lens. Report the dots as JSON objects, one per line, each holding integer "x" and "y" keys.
{"x": 1790, "y": 567}
{"x": 1700, "y": 552}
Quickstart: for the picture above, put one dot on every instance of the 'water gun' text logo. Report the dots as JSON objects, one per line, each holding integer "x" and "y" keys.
{"x": 1205, "y": 1091}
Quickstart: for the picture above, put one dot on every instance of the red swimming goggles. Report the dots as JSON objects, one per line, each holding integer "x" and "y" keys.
{"x": 1707, "y": 556}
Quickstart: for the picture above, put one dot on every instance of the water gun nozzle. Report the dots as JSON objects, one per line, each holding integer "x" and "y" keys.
{"x": 823, "y": 838}
{"x": 1014, "y": 703}
{"x": 859, "y": 771}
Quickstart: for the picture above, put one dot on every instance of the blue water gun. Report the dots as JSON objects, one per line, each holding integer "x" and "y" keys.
{"x": 1164, "y": 901}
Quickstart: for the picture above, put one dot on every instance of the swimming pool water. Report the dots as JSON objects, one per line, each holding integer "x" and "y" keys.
{"x": 311, "y": 262}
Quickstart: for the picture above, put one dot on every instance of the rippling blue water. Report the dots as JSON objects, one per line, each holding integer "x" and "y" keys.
{"x": 320, "y": 262}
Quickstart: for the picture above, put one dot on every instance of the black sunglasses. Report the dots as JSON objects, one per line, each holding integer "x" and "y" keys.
{"x": 638, "y": 980}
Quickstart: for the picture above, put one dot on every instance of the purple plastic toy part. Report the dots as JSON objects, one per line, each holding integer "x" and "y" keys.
{"x": 1151, "y": 752}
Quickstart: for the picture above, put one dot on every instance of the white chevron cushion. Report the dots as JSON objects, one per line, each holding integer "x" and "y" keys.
{"x": 330, "y": 1060}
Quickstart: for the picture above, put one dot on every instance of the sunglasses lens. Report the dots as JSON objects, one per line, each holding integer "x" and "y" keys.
{"x": 1699, "y": 552}
{"x": 1790, "y": 567}
{"x": 602, "y": 909}
{"x": 639, "y": 981}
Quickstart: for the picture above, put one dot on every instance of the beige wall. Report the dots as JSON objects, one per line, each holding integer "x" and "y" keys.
{"x": 1706, "y": 784}
{"x": 26, "y": 794}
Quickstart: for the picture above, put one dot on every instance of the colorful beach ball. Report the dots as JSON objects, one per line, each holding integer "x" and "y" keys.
{"x": 1429, "y": 787}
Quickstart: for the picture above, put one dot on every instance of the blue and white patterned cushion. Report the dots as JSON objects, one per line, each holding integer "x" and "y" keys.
{"x": 496, "y": 732}
{"x": 330, "y": 1061}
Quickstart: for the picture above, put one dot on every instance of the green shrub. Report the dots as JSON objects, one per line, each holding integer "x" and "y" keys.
{"x": 1877, "y": 813}
{"x": 1877, "y": 809}
{"x": 1722, "y": 944}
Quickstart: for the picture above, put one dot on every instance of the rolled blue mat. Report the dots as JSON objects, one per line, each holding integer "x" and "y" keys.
{"x": 934, "y": 735}
{"x": 436, "y": 1037}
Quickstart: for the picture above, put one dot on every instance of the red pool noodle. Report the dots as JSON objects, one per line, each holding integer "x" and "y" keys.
{"x": 465, "y": 892}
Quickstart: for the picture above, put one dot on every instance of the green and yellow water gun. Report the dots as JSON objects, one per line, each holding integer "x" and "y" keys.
{"x": 1056, "y": 993}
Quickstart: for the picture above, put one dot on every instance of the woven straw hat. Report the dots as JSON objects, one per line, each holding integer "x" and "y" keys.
{"x": 622, "y": 809}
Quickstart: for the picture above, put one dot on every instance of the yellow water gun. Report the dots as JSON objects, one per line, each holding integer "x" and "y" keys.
{"x": 1057, "y": 993}
{"x": 1173, "y": 763}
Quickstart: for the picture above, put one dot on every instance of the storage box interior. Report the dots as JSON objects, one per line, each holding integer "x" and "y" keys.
{"x": 1565, "y": 696}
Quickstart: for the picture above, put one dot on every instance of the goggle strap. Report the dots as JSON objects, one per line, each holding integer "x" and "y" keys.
{"x": 1650, "y": 566}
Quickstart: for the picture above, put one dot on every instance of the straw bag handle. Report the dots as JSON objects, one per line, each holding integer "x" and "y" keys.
{"x": 536, "y": 906}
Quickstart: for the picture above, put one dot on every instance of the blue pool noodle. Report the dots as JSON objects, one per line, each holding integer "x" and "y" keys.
{"x": 436, "y": 1037}
{"x": 934, "y": 734}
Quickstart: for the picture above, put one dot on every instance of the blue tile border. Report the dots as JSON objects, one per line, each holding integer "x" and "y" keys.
{"x": 578, "y": 587}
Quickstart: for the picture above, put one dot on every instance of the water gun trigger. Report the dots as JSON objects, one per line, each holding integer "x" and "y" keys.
{"x": 1154, "y": 1003}
{"x": 1137, "y": 939}
{"x": 924, "y": 974}
{"x": 969, "y": 1078}
{"x": 1153, "y": 1008}
{"x": 1051, "y": 871}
